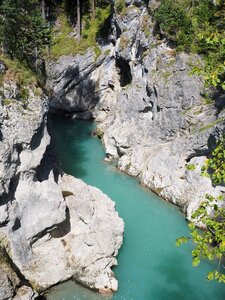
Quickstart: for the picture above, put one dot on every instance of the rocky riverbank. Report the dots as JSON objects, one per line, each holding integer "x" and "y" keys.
{"x": 152, "y": 113}
{"x": 53, "y": 227}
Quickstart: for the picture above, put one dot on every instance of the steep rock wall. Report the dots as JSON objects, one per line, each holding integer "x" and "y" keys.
{"x": 52, "y": 226}
{"x": 151, "y": 111}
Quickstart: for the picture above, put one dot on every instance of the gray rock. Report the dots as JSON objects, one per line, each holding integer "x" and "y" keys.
{"x": 6, "y": 288}
{"x": 96, "y": 234}
{"x": 70, "y": 82}
{"x": 2, "y": 67}
{"x": 43, "y": 234}
{"x": 152, "y": 115}
{"x": 83, "y": 246}
{"x": 25, "y": 293}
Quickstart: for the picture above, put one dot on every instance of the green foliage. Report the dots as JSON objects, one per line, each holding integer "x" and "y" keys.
{"x": 190, "y": 167}
{"x": 7, "y": 102}
{"x": 182, "y": 240}
{"x": 214, "y": 69}
{"x": 210, "y": 242}
{"x": 24, "y": 32}
{"x": 173, "y": 20}
{"x": 18, "y": 72}
{"x": 23, "y": 77}
{"x": 65, "y": 44}
{"x": 215, "y": 165}
{"x": 197, "y": 26}
{"x": 212, "y": 124}
{"x": 120, "y": 6}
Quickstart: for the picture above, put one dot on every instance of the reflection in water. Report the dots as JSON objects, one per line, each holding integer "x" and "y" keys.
{"x": 150, "y": 267}
{"x": 71, "y": 291}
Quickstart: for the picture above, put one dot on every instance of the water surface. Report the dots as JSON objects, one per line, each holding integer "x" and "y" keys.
{"x": 150, "y": 266}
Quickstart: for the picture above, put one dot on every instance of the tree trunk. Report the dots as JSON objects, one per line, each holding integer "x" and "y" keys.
{"x": 78, "y": 20}
{"x": 36, "y": 58}
{"x": 43, "y": 8}
{"x": 93, "y": 8}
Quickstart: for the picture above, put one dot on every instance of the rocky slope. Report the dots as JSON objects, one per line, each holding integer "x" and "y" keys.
{"x": 153, "y": 114}
{"x": 52, "y": 226}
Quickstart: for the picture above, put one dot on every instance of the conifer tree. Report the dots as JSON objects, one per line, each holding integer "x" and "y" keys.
{"x": 78, "y": 20}
{"x": 24, "y": 31}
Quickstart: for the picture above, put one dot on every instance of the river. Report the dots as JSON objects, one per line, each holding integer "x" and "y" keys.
{"x": 150, "y": 266}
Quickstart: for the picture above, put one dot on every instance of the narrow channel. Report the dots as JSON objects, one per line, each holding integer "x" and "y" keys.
{"x": 150, "y": 266}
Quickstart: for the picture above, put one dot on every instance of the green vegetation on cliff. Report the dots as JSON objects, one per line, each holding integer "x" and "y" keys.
{"x": 31, "y": 29}
{"x": 65, "y": 42}
{"x": 198, "y": 27}
{"x": 210, "y": 242}
{"x": 24, "y": 32}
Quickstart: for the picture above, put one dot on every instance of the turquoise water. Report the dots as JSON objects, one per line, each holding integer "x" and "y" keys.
{"x": 150, "y": 266}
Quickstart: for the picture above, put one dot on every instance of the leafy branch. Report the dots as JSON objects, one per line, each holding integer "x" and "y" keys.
{"x": 210, "y": 241}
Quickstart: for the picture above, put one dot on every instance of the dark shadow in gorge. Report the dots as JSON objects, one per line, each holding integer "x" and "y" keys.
{"x": 75, "y": 91}
{"x": 124, "y": 71}
{"x": 48, "y": 164}
{"x": 68, "y": 136}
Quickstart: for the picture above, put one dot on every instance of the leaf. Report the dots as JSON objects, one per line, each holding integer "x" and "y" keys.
{"x": 210, "y": 275}
{"x": 181, "y": 240}
{"x": 195, "y": 261}
{"x": 192, "y": 225}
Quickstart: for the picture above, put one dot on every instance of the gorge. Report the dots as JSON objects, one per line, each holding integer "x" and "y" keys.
{"x": 158, "y": 122}
{"x": 150, "y": 266}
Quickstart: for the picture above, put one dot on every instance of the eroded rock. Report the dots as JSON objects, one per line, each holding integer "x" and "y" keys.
{"x": 42, "y": 232}
{"x": 153, "y": 116}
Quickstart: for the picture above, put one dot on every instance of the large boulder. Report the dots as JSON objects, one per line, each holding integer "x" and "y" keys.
{"x": 82, "y": 246}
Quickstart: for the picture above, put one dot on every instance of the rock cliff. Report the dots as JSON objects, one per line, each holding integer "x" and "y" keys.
{"x": 152, "y": 114}
{"x": 52, "y": 226}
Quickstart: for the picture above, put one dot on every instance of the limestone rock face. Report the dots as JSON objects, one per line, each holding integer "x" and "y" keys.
{"x": 83, "y": 246}
{"x": 6, "y": 288}
{"x": 95, "y": 237}
{"x": 151, "y": 111}
{"x": 46, "y": 237}
{"x": 25, "y": 293}
{"x": 70, "y": 82}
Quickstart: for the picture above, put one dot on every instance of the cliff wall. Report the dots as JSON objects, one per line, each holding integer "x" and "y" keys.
{"x": 152, "y": 114}
{"x": 52, "y": 226}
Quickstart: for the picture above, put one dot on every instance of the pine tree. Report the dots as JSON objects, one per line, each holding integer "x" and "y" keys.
{"x": 93, "y": 8}
{"x": 24, "y": 30}
{"x": 43, "y": 8}
{"x": 78, "y": 20}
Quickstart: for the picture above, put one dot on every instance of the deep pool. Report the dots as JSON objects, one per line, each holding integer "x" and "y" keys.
{"x": 150, "y": 266}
